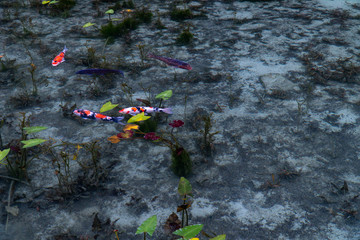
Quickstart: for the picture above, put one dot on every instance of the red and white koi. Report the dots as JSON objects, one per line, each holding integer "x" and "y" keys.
{"x": 172, "y": 62}
{"x": 145, "y": 110}
{"x": 59, "y": 58}
{"x": 86, "y": 114}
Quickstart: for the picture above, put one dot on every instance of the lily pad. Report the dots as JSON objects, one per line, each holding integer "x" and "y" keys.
{"x": 32, "y": 142}
{"x": 137, "y": 118}
{"x": 89, "y": 24}
{"x": 184, "y": 187}
{"x": 189, "y": 231}
{"x": 108, "y": 106}
{"x": 110, "y": 11}
{"x": 34, "y": 129}
{"x": 148, "y": 226}
{"x": 165, "y": 95}
{"x": 4, "y": 153}
{"x": 220, "y": 237}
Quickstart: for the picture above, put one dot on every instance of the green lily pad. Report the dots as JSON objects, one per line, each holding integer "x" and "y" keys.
{"x": 165, "y": 95}
{"x": 32, "y": 142}
{"x": 108, "y": 106}
{"x": 137, "y": 118}
{"x": 34, "y": 129}
{"x": 4, "y": 153}
{"x": 110, "y": 11}
{"x": 184, "y": 187}
{"x": 189, "y": 231}
{"x": 148, "y": 226}
{"x": 220, "y": 237}
{"x": 89, "y": 24}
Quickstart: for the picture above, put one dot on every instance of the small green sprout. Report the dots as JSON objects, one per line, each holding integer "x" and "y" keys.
{"x": 108, "y": 106}
{"x": 110, "y": 11}
{"x": 3, "y": 154}
{"x": 189, "y": 231}
{"x": 148, "y": 226}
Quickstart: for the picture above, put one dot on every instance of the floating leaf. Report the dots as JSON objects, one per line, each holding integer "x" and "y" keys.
{"x": 189, "y": 231}
{"x": 108, "y": 106}
{"x": 114, "y": 139}
{"x": 130, "y": 127}
{"x": 110, "y": 11}
{"x": 165, "y": 95}
{"x": 116, "y": 19}
{"x": 220, "y": 237}
{"x": 125, "y": 134}
{"x": 89, "y": 24}
{"x": 32, "y": 142}
{"x": 34, "y": 129}
{"x": 4, "y": 153}
{"x": 194, "y": 239}
{"x": 148, "y": 226}
{"x": 45, "y": 2}
{"x": 137, "y": 118}
{"x": 184, "y": 187}
{"x": 53, "y": 2}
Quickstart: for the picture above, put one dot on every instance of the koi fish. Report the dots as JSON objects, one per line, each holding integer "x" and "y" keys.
{"x": 145, "y": 110}
{"x": 98, "y": 71}
{"x": 59, "y": 58}
{"x": 86, "y": 114}
{"x": 172, "y": 62}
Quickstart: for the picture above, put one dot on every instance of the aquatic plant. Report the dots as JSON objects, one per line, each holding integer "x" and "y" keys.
{"x": 207, "y": 144}
{"x": 60, "y": 7}
{"x": 108, "y": 106}
{"x": 33, "y": 80}
{"x": 143, "y": 15}
{"x": 178, "y": 14}
{"x": 3, "y": 154}
{"x": 185, "y": 37}
{"x": 142, "y": 52}
{"x": 184, "y": 190}
{"x": 189, "y": 232}
{"x": 148, "y": 226}
{"x": 7, "y": 64}
{"x": 17, "y": 164}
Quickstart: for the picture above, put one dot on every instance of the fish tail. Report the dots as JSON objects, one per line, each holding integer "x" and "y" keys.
{"x": 151, "y": 55}
{"x": 118, "y": 120}
{"x": 167, "y": 110}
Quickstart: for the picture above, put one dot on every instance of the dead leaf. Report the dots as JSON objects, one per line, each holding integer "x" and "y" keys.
{"x": 114, "y": 139}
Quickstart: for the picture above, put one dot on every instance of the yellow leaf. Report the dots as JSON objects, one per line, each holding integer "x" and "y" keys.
{"x": 114, "y": 139}
{"x": 131, "y": 126}
{"x": 78, "y": 147}
{"x": 75, "y": 157}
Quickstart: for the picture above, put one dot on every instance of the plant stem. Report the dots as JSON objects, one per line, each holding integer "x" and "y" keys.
{"x": 144, "y": 235}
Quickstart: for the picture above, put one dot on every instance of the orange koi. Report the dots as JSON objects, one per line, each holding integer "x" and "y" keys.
{"x": 86, "y": 114}
{"x": 145, "y": 110}
{"x": 59, "y": 58}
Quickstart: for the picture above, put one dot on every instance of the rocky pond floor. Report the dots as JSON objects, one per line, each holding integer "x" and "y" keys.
{"x": 276, "y": 81}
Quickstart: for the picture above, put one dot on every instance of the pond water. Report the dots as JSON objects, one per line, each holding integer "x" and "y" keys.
{"x": 270, "y": 109}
